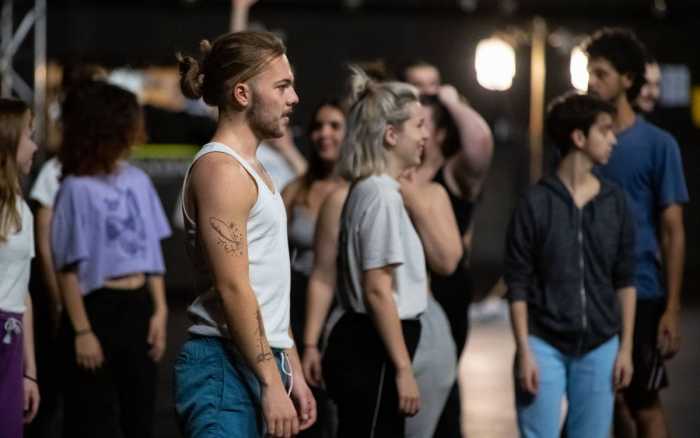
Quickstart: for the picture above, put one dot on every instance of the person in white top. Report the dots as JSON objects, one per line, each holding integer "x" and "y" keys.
{"x": 236, "y": 227}
{"x": 19, "y": 391}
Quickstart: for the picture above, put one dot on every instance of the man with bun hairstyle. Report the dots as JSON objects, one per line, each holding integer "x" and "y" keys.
{"x": 239, "y": 374}
{"x": 647, "y": 164}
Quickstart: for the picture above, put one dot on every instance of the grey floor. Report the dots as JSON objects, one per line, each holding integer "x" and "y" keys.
{"x": 486, "y": 382}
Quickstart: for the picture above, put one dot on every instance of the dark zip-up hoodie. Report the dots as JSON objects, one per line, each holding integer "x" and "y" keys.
{"x": 568, "y": 263}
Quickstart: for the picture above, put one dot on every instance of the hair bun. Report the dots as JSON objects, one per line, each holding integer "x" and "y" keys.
{"x": 191, "y": 78}
{"x": 359, "y": 83}
{"x": 205, "y": 48}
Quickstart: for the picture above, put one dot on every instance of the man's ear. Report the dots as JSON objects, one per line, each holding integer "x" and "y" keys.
{"x": 242, "y": 95}
{"x": 578, "y": 138}
{"x": 390, "y": 135}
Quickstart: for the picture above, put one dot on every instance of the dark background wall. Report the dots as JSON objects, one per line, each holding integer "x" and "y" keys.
{"x": 322, "y": 36}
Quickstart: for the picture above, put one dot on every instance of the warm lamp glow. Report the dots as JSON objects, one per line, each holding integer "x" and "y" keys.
{"x": 579, "y": 69}
{"x": 495, "y": 64}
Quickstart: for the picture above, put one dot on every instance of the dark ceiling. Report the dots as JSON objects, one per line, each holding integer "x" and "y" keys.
{"x": 569, "y": 8}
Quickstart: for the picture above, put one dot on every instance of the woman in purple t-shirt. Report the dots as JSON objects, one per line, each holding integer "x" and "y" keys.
{"x": 106, "y": 231}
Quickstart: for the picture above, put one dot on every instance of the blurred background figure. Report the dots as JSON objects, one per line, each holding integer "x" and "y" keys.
{"x": 651, "y": 90}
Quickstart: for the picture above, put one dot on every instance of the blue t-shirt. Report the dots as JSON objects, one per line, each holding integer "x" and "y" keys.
{"x": 646, "y": 162}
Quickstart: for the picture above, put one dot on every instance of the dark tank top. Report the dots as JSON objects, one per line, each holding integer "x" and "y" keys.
{"x": 454, "y": 291}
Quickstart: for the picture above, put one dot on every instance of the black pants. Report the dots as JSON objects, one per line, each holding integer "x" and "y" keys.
{"x": 325, "y": 412}
{"x": 361, "y": 378}
{"x": 454, "y": 294}
{"x": 118, "y": 399}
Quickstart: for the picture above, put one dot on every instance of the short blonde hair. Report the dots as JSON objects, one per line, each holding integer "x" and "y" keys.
{"x": 373, "y": 106}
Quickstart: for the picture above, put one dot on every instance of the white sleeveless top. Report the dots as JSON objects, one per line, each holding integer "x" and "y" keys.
{"x": 268, "y": 259}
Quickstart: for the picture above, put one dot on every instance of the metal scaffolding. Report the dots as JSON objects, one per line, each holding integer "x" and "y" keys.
{"x": 10, "y": 41}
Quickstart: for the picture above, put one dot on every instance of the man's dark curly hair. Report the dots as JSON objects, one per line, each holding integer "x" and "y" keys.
{"x": 100, "y": 124}
{"x": 621, "y": 48}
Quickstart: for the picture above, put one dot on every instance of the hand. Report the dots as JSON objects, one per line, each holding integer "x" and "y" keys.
{"x": 88, "y": 351}
{"x": 311, "y": 364}
{"x": 157, "y": 335}
{"x": 279, "y": 413}
{"x": 448, "y": 95}
{"x": 669, "y": 333}
{"x": 305, "y": 403}
{"x": 409, "y": 396}
{"x": 622, "y": 376}
{"x": 31, "y": 400}
{"x": 528, "y": 374}
{"x": 410, "y": 189}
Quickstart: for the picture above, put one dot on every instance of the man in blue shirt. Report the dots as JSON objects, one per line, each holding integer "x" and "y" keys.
{"x": 647, "y": 164}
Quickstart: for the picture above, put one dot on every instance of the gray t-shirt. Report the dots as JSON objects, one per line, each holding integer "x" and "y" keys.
{"x": 376, "y": 232}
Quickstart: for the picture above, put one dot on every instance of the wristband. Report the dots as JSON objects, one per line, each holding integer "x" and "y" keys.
{"x": 83, "y": 332}
{"x": 33, "y": 379}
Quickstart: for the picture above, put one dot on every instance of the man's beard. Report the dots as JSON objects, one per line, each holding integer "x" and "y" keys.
{"x": 261, "y": 123}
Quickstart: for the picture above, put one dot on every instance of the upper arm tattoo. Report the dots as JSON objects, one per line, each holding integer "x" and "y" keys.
{"x": 229, "y": 236}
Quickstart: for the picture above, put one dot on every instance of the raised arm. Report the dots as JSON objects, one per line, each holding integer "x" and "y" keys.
{"x": 431, "y": 212}
{"x": 238, "y": 20}
{"x": 322, "y": 281}
{"x": 222, "y": 215}
{"x": 470, "y": 165}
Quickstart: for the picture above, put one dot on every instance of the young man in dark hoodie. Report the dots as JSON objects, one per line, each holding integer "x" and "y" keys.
{"x": 570, "y": 275}
{"x": 647, "y": 164}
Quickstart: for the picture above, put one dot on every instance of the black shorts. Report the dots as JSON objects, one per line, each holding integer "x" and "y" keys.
{"x": 650, "y": 373}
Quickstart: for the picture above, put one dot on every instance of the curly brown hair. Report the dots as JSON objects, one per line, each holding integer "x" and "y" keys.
{"x": 101, "y": 122}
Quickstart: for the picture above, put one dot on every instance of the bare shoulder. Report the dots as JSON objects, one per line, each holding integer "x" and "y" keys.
{"x": 217, "y": 175}
{"x": 336, "y": 199}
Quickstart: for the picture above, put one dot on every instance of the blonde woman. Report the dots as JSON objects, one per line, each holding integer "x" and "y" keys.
{"x": 382, "y": 278}
{"x": 19, "y": 392}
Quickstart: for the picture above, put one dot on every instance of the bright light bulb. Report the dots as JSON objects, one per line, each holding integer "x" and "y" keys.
{"x": 579, "y": 69}
{"x": 495, "y": 64}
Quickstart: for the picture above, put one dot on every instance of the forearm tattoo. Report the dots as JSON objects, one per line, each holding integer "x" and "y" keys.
{"x": 230, "y": 236}
{"x": 265, "y": 353}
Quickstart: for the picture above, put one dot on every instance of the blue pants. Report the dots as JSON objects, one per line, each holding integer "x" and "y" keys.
{"x": 587, "y": 382}
{"x": 216, "y": 394}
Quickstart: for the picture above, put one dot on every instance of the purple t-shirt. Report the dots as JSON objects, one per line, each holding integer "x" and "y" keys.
{"x": 110, "y": 225}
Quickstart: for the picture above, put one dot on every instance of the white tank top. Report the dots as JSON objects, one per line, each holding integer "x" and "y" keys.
{"x": 268, "y": 260}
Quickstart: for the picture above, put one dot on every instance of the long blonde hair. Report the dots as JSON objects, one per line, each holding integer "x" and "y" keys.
{"x": 13, "y": 116}
{"x": 373, "y": 106}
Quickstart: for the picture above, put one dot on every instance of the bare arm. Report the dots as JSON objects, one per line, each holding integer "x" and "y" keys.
{"x": 222, "y": 216}
{"x": 323, "y": 276}
{"x": 470, "y": 166}
{"x": 673, "y": 249}
{"x": 28, "y": 330}
{"x": 301, "y": 394}
{"x": 157, "y": 330}
{"x": 238, "y": 20}
{"x": 431, "y": 212}
{"x": 377, "y": 285}
{"x": 527, "y": 373}
{"x": 289, "y": 194}
{"x": 42, "y": 221}
{"x": 31, "y": 387}
{"x": 623, "y": 364}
